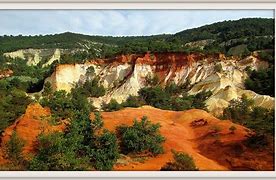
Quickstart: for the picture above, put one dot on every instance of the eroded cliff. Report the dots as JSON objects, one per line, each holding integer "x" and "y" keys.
{"x": 124, "y": 75}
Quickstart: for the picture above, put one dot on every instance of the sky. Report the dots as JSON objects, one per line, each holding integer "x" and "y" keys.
{"x": 115, "y": 22}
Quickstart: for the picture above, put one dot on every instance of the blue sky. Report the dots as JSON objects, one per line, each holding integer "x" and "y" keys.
{"x": 115, "y": 22}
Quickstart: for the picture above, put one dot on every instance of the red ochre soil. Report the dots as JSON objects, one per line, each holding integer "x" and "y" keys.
{"x": 28, "y": 127}
{"x": 210, "y": 150}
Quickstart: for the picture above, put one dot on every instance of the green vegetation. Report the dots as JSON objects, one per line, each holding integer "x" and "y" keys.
{"x": 141, "y": 137}
{"x": 14, "y": 148}
{"x": 171, "y": 97}
{"x": 88, "y": 145}
{"x": 13, "y": 102}
{"x": 91, "y": 88}
{"x": 258, "y": 119}
{"x": 113, "y": 105}
{"x": 252, "y": 33}
{"x": 262, "y": 81}
{"x": 182, "y": 162}
{"x": 228, "y": 34}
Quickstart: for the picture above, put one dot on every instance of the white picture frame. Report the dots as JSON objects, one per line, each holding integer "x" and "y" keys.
{"x": 138, "y": 4}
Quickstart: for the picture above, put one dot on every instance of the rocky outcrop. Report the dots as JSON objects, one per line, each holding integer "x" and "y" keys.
{"x": 126, "y": 74}
{"x": 35, "y": 56}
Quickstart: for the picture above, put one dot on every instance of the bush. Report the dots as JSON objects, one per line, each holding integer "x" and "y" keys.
{"x": 113, "y": 105}
{"x": 170, "y": 99}
{"x": 262, "y": 81}
{"x": 104, "y": 152}
{"x": 14, "y": 148}
{"x": 13, "y": 103}
{"x": 152, "y": 80}
{"x": 60, "y": 104}
{"x": 133, "y": 101}
{"x": 53, "y": 156}
{"x": 182, "y": 162}
{"x": 103, "y": 149}
{"x": 142, "y": 136}
{"x": 93, "y": 89}
{"x": 155, "y": 96}
{"x": 238, "y": 110}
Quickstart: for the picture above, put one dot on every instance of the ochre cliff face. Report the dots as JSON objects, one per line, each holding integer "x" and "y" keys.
{"x": 124, "y": 75}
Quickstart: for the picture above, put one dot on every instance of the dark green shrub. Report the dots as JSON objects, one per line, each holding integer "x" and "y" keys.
{"x": 14, "y": 148}
{"x": 152, "y": 80}
{"x": 93, "y": 89}
{"x": 133, "y": 101}
{"x": 56, "y": 153}
{"x": 142, "y": 136}
{"x": 182, "y": 162}
{"x": 262, "y": 81}
{"x": 113, "y": 105}
{"x": 60, "y": 104}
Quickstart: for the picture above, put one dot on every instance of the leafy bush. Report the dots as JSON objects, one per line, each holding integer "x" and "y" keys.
{"x": 152, "y": 80}
{"x": 53, "y": 156}
{"x": 238, "y": 110}
{"x": 113, "y": 105}
{"x": 93, "y": 89}
{"x": 155, "y": 96}
{"x": 133, "y": 101}
{"x": 182, "y": 162}
{"x": 142, "y": 136}
{"x": 60, "y": 104}
{"x": 13, "y": 148}
{"x": 104, "y": 152}
{"x": 13, "y": 103}
{"x": 262, "y": 81}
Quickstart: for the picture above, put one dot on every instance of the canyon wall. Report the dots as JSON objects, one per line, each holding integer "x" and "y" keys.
{"x": 124, "y": 75}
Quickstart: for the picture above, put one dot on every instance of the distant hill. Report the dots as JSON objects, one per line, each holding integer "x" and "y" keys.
{"x": 254, "y": 33}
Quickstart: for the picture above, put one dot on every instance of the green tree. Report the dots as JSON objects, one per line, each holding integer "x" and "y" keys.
{"x": 141, "y": 136}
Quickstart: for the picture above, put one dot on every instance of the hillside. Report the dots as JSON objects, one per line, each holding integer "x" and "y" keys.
{"x": 179, "y": 129}
{"x": 218, "y": 37}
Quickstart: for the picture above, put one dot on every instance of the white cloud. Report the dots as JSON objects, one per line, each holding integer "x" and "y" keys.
{"x": 115, "y": 22}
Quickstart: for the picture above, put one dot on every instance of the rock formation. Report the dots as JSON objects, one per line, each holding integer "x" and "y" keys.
{"x": 124, "y": 75}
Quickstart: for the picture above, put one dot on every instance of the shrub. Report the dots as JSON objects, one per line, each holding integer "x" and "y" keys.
{"x": 182, "y": 162}
{"x": 103, "y": 149}
{"x": 155, "y": 96}
{"x": 93, "y": 89}
{"x": 262, "y": 81}
{"x": 13, "y": 103}
{"x": 140, "y": 137}
{"x": 113, "y": 105}
{"x": 152, "y": 80}
{"x": 14, "y": 148}
{"x": 60, "y": 104}
{"x": 53, "y": 156}
{"x": 133, "y": 101}
{"x": 104, "y": 152}
{"x": 238, "y": 110}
